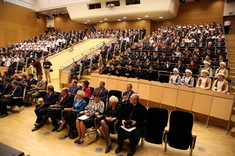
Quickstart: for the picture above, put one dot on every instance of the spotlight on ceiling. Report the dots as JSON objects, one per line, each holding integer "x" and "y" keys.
{"x": 119, "y": 19}
{"x": 124, "y": 17}
{"x": 105, "y": 19}
{"x": 160, "y": 17}
{"x": 146, "y": 16}
{"x": 138, "y": 18}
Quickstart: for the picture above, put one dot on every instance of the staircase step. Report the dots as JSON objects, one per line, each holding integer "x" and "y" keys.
{"x": 232, "y": 132}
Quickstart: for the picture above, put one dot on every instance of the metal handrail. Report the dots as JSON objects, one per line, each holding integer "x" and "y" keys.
{"x": 75, "y": 58}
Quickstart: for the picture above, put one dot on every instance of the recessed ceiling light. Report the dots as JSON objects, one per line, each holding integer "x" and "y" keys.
{"x": 88, "y": 20}
{"x": 101, "y": 21}
{"x": 85, "y": 22}
{"x": 146, "y": 16}
{"x": 119, "y": 20}
{"x": 160, "y": 17}
{"x": 138, "y": 18}
{"x": 105, "y": 19}
{"x": 124, "y": 17}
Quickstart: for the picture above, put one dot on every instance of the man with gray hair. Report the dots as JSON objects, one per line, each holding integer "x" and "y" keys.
{"x": 126, "y": 95}
{"x": 134, "y": 118}
{"x": 65, "y": 100}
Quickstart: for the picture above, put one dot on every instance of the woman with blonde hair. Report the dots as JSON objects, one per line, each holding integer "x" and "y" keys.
{"x": 70, "y": 114}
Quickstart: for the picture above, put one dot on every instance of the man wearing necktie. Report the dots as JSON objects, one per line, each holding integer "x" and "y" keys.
{"x": 136, "y": 117}
{"x": 65, "y": 100}
{"x": 126, "y": 95}
{"x": 73, "y": 89}
{"x": 41, "y": 108}
{"x": 9, "y": 100}
{"x": 7, "y": 87}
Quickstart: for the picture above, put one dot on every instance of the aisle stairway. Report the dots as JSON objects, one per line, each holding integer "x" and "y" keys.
{"x": 230, "y": 43}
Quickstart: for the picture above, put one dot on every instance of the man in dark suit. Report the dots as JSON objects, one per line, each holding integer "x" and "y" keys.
{"x": 192, "y": 44}
{"x": 130, "y": 61}
{"x": 130, "y": 72}
{"x": 168, "y": 66}
{"x": 173, "y": 58}
{"x": 180, "y": 66}
{"x": 220, "y": 43}
{"x": 185, "y": 59}
{"x": 209, "y": 53}
{"x": 154, "y": 57}
{"x": 7, "y": 87}
{"x": 75, "y": 69}
{"x": 41, "y": 109}
{"x": 147, "y": 64}
{"x": 151, "y": 75}
{"x": 85, "y": 63}
{"x": 201, "y": 43}
{"x": 9, "y": 100}
{"x": 65, "y": 100}
{"x": 163, "y": 57}
{"x": 102, "y": 90}
{"x": 16, "y": 78}
{"x": 120, "y": 71}
{"x": 31, "y": 81}
{"x": 73, "y": 89}
{"x": 136, "y": 117}
{"x": 23, "y": 79}
{"x": 127, "y": 94}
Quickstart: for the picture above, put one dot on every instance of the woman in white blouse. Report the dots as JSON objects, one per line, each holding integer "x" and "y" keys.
{"x": 175, "y": 78}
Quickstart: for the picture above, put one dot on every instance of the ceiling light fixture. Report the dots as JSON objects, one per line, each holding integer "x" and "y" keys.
{"x": 124, "y": 17}
{"x": 160, "y": 17}
{"x": 88, "y": 20}
{"x": 105, "y": 19}
{"x": 146, "y": 16}
{"x": 138, "y": 18}
{"x": 85, "y": 22}
{"x": 101, "y": 21}
{"x": 119, "y": 20}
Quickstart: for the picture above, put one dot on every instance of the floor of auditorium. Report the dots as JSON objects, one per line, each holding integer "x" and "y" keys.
{"x": 15, "y": 131}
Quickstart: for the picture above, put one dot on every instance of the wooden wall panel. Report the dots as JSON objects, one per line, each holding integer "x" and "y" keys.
{"x": 66, "y": 24}
{"x": 205, "y": 11}
{"x": 17, "y": 23}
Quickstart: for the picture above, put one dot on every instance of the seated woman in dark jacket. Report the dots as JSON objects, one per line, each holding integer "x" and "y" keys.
{"x": 110, "y": 117}
{"x": 70, "y": 114}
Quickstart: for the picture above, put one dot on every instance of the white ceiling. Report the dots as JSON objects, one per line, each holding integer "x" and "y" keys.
{"x": 154, "y": 9}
